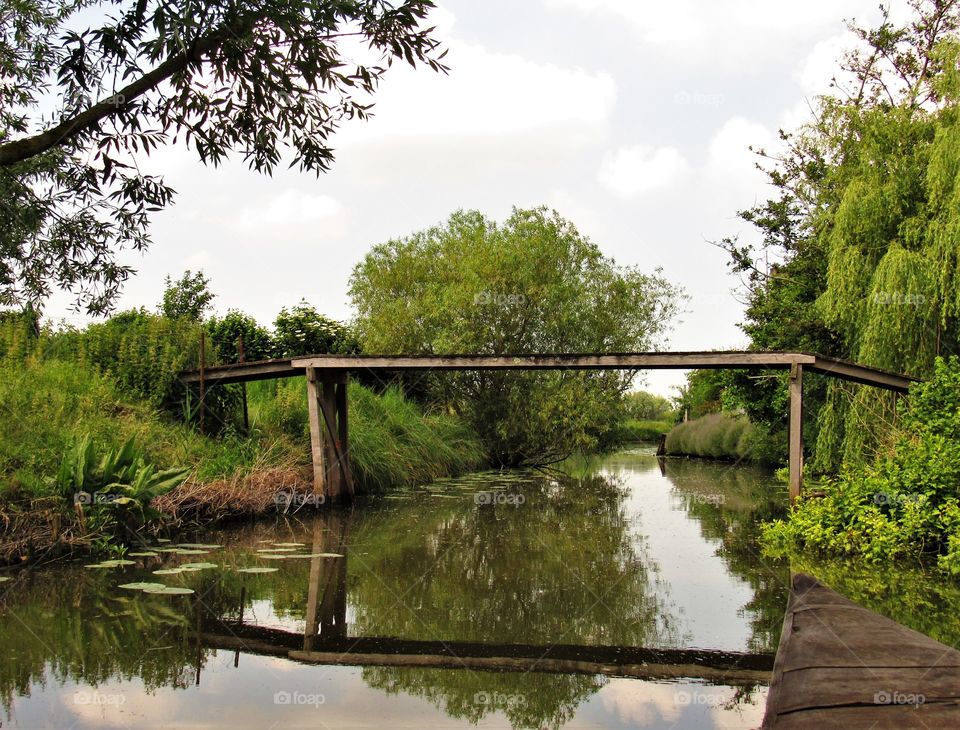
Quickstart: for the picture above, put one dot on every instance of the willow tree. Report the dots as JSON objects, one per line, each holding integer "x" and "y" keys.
{"x": 89, "y": 88}
{"x": 865, "y": 225}
{"x": 532, "y": 284}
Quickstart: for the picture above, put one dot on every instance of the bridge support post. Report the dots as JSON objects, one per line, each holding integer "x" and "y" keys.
{"x": 795, "y": 431}
{"x": 329, "y": 444}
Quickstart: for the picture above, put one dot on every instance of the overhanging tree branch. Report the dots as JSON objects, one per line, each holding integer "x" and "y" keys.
{"x": 23, "y": 149}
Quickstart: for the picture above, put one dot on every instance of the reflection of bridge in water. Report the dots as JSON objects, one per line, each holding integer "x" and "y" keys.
{"x": 325, "y": 639}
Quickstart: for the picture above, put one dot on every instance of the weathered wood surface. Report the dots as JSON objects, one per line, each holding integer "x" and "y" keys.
{"x": 842, "y": 665}
{"x": 286, "y": 368}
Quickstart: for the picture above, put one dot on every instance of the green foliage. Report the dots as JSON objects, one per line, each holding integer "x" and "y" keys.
{"x": 906, "y": 504}
{"x": 80, "y": 113}
{"x": 863, "y": 232}
{"x": 643, "y": 406}
{"x": 187, "y": 298}
{"x": 715, "y": 435}
{"x": 68, "y": 403}
{"x": 113, "y": 492}
{"x": 531, "y": 284}
{"x": 302, "y": 330}
{"x": 142, "y": 352}
{"x": 704, "y": 392}
{"x": 224, "y": 336}
{"x": 633, "y": 430}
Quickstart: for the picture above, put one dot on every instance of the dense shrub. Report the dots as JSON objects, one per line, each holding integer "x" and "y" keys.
{"x": 302, "y": 330}
{"x": 715, "y": 435}
{"x": 904, "y": 504}
{"x": 633, "y": 430}
{"x": 224, "y": 336}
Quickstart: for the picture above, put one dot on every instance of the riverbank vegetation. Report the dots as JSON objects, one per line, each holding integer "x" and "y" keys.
{"x": 113, "y": 384}
{"x": 106, "y": 400}
{"x": 856, "y": 257}
{"x": 714, "y": 436}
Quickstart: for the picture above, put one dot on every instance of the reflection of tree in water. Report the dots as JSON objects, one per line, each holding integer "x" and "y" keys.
{"x": 526, "y": 699}
{"x": 730, "y": 502}
{"x": 72, "y": 625}
{"x": 560, "y": 568}
{"x": 910, "y": 593}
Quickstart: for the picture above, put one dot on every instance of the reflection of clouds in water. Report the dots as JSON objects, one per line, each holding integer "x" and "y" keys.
{"x": 651, "y": 704}
{"x": 639, "y": 704}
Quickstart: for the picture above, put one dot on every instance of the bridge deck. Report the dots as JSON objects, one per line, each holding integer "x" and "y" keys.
{"x": 293, "y": 367}
{"x": 841, "y": 665}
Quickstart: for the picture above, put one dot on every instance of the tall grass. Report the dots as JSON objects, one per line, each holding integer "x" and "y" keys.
{"x": 715, "y": 435}
{"x": 47, "y": 405}
{"x": 392, "y": 443}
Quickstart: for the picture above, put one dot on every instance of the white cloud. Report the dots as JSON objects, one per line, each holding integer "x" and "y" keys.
{"x": 290, "y": 208}
{"x": 486, "y": 93}
{"x": 641, "y": 168}
{"x": 732, "y": 33}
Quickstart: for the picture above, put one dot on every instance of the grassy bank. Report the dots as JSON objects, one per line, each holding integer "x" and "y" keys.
{"x": 714, "y": 436}
{"x": 632, "y": 431}
{"x": 50, "y": 404}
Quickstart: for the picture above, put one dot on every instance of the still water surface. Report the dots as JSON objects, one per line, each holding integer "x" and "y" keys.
{"x": 570, "y": 576}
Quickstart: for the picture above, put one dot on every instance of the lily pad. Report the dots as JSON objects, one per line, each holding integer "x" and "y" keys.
{"x": 141, "y": 586}
{"x": 198, "y": 566}
{"x": 198, "y": 546}
{"x": 289, "y": 544}
{"x": 169, "y": 591}
{"x": 181, "y": 551}
{"x": 257, "y": 570}
{"x": 4, "y": 579}
{"x": 315, "y": 555}
{"x": 269, "y": 556}
{"x": 168, "y": 550}
{"x": 143, "y": 555}
{"x": 162, "y": 539}
{"x": 277, "y": 550}
{"x": 111, "y": 564}
{"x": 168, "y": 571}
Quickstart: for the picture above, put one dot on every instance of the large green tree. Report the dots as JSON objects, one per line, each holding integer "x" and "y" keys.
{"x": 89, "y": 88}
{"x": 863, "y": 227}
{"x": 532, "y": 284}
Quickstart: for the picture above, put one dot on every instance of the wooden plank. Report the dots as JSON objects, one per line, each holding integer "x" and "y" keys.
{"x": 795, "y": 431}
{"x": 840, "y": 664}
{"x": 852, "y": 686}
{"x": 565, "y": 361}
{"x": 285, "y": 368}
{"x": 328, "y": 413}
{"x": 244, "y": 372}
{"x": 317, "y": 450}
{"x": 879, "y": 717}
{"x": 862, "y": 374}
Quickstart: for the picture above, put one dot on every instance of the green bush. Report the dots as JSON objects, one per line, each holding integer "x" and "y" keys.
{"x": 56, "y": 404}
{"x": 224, "y": 336}
{"x": 715, "y": 435}
{"x": 633, "y": 430}
{"x": 302, "y": 330}
{"x": 906, "y": 504}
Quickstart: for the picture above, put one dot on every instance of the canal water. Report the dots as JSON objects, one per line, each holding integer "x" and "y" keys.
{"x": 622, "y": 592}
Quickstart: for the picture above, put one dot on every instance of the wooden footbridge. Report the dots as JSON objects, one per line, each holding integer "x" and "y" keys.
{"x": 327, "y": 389}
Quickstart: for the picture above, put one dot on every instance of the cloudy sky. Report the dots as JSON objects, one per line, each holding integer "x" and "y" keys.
{"x": 631, "y": 118}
